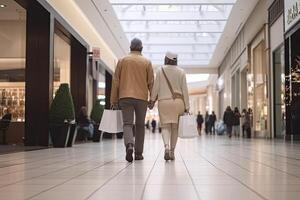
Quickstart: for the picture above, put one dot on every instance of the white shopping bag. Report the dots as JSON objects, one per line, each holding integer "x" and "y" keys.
{"x": 187, "y": 126}
{"x": 112, "y": 121}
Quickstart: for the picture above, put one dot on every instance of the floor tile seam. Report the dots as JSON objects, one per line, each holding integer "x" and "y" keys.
{"x": 42, "y": 165}
{"x": 272, "y": 155}
{"x": 242, "y": 183}
{"x": 271, "y": 167}
{"x": 191, "y": 178}
{"x": 107, "y": 181}
{"x": 218, "y": 155}
{"x": 70, "y": 179}
{"x": 111, "y": 178}
{"x": 40, "y": 156}
{"x": 54, "y": 171}
{"x": 255, "y": 161}
{"x": 48, "y": 158}
{"x": 150, "y": 172}
{"x": 33, "y": 168}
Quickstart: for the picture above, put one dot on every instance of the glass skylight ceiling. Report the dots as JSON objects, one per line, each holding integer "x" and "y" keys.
{"x": 191, "y": 28}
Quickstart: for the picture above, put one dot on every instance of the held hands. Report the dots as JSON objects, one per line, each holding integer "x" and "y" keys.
{"x": 151, "y": 104}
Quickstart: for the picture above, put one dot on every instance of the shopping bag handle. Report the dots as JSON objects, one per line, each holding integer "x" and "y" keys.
{"x": 112, "y": 107}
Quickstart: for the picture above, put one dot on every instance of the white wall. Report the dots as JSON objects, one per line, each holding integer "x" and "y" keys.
{"x": 12, "y": 39}
{"x": 69, "y": 10}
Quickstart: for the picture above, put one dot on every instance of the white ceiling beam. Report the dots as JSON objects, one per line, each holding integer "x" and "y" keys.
{"x": 172, "y": 2}
{"x": 184, "y": 56}
{"x": 173, "y": 28}
{"x": 179, "y": 52}
{"x": 189, "y": 62}
{"x": 172, "y": 16}
{"x": 149, "y": 38}
{"x": 170, "y": 31}
{"x": 179, "y": 44}
{"x": 200, "y": 48}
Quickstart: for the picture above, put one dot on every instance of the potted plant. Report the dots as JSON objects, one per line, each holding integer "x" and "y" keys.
{"x": 96, "y": 116}
{"x": 61, "y": 116}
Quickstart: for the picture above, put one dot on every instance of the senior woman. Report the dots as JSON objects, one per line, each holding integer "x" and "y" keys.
{"x": 170, "y": 89}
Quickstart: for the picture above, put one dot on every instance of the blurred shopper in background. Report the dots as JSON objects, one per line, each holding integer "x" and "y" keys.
{"x": 228, "y": 119}
{"x": 212, "y": 120}
{"x": 236, "y": 123}
{"x": 170, "y": 88}
{"x": 206, "y": 121}
{"x": 153, "y": 125}
{"x": 132, "y": 81}
{"x": 246, "y": 123}
{"x": 199, "y": 122}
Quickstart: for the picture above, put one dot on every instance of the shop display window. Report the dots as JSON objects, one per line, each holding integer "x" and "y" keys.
{"x": 12, "y": 60}
{"x": 101, "y": 89}
{"x": 260, "y": 88}
{"x": 279, "y": 92}
{"x": 62, "y": 62}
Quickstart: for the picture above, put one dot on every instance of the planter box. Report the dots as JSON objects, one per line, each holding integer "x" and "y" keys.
{"x": 72, "y": 135}
{"x": 60, "y": 135}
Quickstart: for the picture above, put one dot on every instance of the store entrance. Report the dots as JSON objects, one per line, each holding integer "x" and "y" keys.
{"x": 279, "y": 91}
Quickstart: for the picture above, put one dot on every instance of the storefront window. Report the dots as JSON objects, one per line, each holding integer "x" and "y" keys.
{"x": 260, "y": 89}
{"x": 279, "y": 92}
{"x": 101, "y": 89}
{"x": 12, "y": 60}
{"x": 62, "y": 62}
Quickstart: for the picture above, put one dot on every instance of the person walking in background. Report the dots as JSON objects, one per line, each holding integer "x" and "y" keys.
{"x": 147, "y": 125}
{"x": 212, "y": 121}
{"x": 132, "y": 82}
{"x": 228, "y": 119}
{"x": 153, "y": 124}
{"x": 206, "y": 122}
{"x": 236, "y": 123}
{"x": 170, "y": 88}
{"x": 246, "y": 124}
{"x": 199, "y": 122}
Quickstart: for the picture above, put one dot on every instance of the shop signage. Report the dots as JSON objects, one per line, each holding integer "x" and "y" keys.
{"x": 96, "y": 53}
{"x": 291, "y": 13}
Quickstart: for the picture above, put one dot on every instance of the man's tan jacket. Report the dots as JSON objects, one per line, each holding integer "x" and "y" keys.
{"x": 133, "y": 78}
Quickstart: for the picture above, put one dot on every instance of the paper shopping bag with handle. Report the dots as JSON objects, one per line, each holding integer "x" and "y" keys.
{"x": 187, "y": 126}
{"x": 112, "y": 121}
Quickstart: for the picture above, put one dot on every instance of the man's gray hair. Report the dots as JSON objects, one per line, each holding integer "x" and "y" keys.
{"x": 136, "y": 45}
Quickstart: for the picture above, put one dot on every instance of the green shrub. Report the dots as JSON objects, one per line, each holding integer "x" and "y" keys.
{"x": 62, "y": 107}
{"x": 97, "y": 111}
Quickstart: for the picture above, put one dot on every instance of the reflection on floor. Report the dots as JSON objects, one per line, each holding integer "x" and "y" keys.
{"x": 206, "y": 168}
{"x": 12, "y": 148}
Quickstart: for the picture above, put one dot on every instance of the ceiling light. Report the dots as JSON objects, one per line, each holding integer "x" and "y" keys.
{"x": 193, "y": 78}
{"x": 2, "y": 6}
{"x": 101, "y": 85}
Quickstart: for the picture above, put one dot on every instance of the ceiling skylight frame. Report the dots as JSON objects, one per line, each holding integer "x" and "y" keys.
{"x": 192, "y": 26}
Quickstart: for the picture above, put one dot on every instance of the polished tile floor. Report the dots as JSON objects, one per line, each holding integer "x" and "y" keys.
{"x": 206, "y": 168}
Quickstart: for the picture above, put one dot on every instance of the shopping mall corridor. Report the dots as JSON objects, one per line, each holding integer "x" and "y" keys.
{"x": 206, "y": 168}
